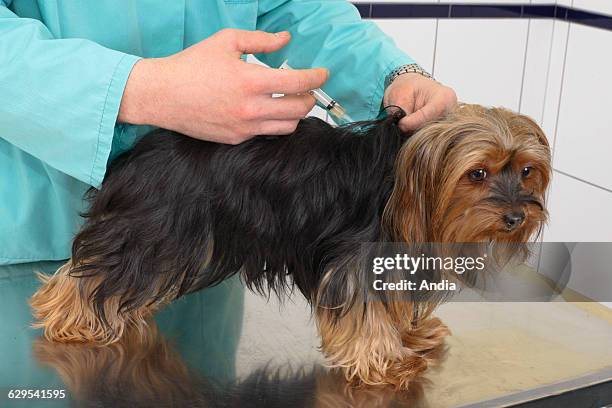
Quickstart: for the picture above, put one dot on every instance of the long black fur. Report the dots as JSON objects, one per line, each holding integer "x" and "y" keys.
{"x": 295, "y": 205}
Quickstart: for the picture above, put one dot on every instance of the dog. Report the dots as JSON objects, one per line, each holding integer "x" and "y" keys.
{"x": 176, "y": 215}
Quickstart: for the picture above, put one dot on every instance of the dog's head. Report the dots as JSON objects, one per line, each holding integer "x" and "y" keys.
{"x": 479, "y": 174}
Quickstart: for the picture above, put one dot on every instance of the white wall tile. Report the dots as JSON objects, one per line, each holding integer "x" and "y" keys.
{"x": 597, "y": 6}
{"x": 416, "y": 37}
{"x": 487, "y": 1}
{"x": 536, "y": 68}
{"x": 578, "y": 212}
{"x": 482, "y": 59}
{"x": 554, "y": 79}
{"x": 395, "y": 1}
{"x": 584, "y": 132}
{"x": 567, "y": 3}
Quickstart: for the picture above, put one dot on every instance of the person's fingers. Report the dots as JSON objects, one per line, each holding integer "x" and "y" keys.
{"x": 287, "y": 107}
{"x": 254, "y": 42}
{"x": 265, "y": 107}
{"x": 429, "y": 108}
{"x": 291, "y": 81}
{"x": 277, "y": 127}
{"x": 421, "y": 116}
{"x": 406, "y": 101}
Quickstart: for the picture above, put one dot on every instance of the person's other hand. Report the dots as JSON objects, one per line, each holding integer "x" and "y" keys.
{"x": 422, "y": 98}
{"x": 209, "y": 93}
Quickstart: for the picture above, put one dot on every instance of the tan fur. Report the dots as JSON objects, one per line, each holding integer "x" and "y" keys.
{"x": 334, "y": 392}
{"x": 374, "y": 345}
{"x": 63, "y": 309}
{"x": 434, "y": 202}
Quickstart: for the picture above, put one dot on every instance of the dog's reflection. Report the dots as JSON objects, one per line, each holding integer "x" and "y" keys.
{"x": 144, "y": 370}
{"x": 319, "y": 387}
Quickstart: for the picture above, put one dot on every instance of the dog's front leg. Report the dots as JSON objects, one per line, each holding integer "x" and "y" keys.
{"x": 377, "y": 344}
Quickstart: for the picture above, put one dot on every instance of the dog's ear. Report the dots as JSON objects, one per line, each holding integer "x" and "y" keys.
{"x": 408, "y": 216}
{"x": 536, "y": 129}
{"x": 521, "y": 125}
{"x": 530, "y": 138}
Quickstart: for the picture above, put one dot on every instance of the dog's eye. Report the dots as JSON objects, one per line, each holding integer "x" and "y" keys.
{"x": 478, "y": 175}
{"x": 526, "y": 171}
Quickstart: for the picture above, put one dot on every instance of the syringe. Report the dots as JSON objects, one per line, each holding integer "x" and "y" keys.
{"x": 326, "y": 101}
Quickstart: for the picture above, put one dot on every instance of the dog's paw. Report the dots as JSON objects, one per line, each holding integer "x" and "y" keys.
{"x": 62, "y": 309}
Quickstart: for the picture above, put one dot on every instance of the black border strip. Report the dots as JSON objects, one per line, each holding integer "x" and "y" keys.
{"x": 484, "y": 10}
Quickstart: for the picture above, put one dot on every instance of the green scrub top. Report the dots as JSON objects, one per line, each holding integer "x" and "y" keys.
{"x": 64, "y": 66}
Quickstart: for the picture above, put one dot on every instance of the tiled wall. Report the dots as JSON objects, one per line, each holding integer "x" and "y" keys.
{"x": 558, "y": 72}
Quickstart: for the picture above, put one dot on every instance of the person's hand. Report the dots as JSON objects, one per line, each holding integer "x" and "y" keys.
{"x": 207, "y": 92}
{"x": 422, "y": 98}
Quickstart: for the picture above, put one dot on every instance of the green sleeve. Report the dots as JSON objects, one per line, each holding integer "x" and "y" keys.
{"x": 331, "y": 34}
{"x": 60, "y": 97}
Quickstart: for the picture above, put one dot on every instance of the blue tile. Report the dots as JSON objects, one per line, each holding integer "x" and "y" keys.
{"x": 364, "y": 9}
{"x": 589, "y": 19}
{"x": 485, "y": 11}
{"x": 544, "y": 11}
{"x": 560, "y": 12}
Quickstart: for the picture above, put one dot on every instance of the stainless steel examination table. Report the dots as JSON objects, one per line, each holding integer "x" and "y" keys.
{"x": 225, "y": 347}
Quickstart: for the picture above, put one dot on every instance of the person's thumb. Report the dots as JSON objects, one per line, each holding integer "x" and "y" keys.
{"x": 417, "y": 118}
{"x": 255, "y": 42}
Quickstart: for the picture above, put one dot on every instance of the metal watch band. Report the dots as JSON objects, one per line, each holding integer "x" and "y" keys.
{"x": 406, "y": 69}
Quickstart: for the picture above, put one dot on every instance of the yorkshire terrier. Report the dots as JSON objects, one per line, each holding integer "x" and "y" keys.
{"x": 176, "y": 215}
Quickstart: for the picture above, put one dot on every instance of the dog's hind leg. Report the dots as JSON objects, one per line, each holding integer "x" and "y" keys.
{"x": 146, "y": 240}
{"x": 377, "y": 344}
{"x": 63, "y": 308}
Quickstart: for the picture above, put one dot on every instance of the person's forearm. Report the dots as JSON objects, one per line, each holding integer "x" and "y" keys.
{"x": 332, "y": 34}
{"x": 142, "y": 95}
{"x": 225, "y": 100}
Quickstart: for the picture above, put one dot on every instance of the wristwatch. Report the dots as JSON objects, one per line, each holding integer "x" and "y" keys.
{"x": 406, "y": 69}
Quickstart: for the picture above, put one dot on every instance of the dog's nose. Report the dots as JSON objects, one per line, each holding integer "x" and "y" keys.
{"x": 514, "y": 219}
